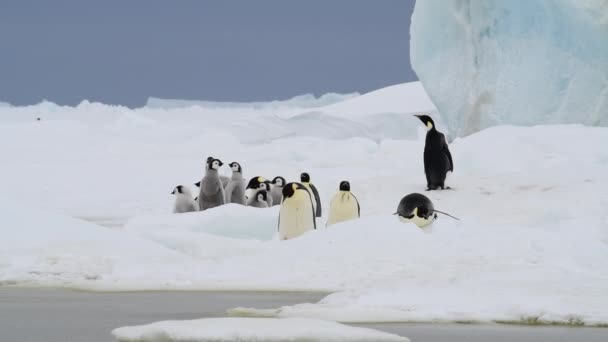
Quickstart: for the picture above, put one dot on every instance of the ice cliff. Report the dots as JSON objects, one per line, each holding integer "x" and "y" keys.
{"x": 519, "y": 62}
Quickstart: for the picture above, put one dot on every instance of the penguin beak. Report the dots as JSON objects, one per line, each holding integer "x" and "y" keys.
{"x": 173, "y": 192}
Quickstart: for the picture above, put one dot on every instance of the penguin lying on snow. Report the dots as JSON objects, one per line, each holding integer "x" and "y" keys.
{"x": 296, "y": 215}
{"x": 184, "y": 203}
{"x": 235, "y": 190}
{"x": 419, "y": 209}
{"x": 277, "y": 190}
{"x": 344, "y": 205}
{"x": 437, "y": 156}
{"x": 316, "y": 200}
{"x": 260, "y": 199}
{"x": 212, "y": 192}
{"x": 259, "y": 183}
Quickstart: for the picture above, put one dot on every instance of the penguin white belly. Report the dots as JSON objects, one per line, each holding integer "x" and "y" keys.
{"x": 421, "y": 222}
{"x": 312, "y": 196}
{"x": 343, "y": 207}
{"x": 296, "y": 216}
{"x": 184, "y": 204}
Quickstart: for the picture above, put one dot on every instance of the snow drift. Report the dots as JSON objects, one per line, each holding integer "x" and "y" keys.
{"x": 486, "y": 63}
{"x": 250, "y": 330}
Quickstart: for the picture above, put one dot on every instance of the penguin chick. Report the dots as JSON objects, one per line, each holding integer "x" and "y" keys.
{"x": 235, "y": 190}
{"x": 225, "y": 180}
{"x": 184, "y": 203}
{"x": 212, "y": 191}
{"x": 259, "y": 183}
{"x": 344, "y": 206}
{"x": 437, "y": 157}
{"x": 316, "y": 200}
{"x": 277, "y": 190}
{"x": 260, "y": 199}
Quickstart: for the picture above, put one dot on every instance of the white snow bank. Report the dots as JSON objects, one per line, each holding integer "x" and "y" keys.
{"x": 250, "y": 330}
{"x": 41, "y": 248}
{"x": 513, "y": 62}
{"x": 230, "y": 220}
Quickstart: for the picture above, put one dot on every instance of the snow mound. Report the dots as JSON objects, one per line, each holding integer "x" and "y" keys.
{"x": 57, "y": 250}
{"x": 250, "y": 330}
{"x": 230, "y": 220}
{"x": 513, "y": 62}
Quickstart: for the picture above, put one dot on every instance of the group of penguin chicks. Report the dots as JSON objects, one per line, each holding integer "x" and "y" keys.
{"x": 300, "y": 201}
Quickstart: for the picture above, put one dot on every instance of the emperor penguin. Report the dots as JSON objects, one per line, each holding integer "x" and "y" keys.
{"x": 184, "y": 203}
{"x": 211, "y": 194}
{"x": 418, "y": 209}
{"x": 259, "y": 183}
{"x": 296, "y": 215}
{"x": 235, "y": 190}
{"x": 260, "y": 199}
{"x": 277, "y": 190}
{"x": 344, "y": 206}
{"x": 437, "y": 156}
{"x": 316, "y": 200}
{"x": 225, "y": 180}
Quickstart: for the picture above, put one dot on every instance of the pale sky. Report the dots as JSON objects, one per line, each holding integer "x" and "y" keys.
{"x": 122, "y": 52}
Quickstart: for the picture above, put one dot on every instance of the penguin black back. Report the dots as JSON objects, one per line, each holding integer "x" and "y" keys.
{"x": 305, "y": 178}
{"x": 437, "y": 156}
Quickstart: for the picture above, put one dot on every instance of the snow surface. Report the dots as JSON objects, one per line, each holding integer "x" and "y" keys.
{"x": 486, "y": 63}
{"x": 532, "y": 242}
{"x": 250, "y": 330}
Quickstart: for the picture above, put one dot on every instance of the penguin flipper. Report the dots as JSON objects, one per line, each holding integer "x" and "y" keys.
{"x": 312, "y": 209}
{"x": 446, "y": 150}
{"x": 317, "y": 199}
{"x": 358, "y": 206}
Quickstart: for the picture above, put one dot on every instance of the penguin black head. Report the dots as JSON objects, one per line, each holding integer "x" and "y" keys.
{"x": 214, "y": 164}
{"x": 261, "y": 196}
{"x": 278, "y": 181}
{"x": 428, "y": 122}
{"x": 305, "y": 177}
{"x": 256, "y": 183}
{"x": 290, "y": 188}
{"x": 344, "y": 186}
{"x": 178, "y": 190}
{"x": 235, "y": 167}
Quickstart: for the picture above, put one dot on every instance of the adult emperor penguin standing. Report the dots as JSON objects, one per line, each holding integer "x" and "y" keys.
{"x": 212, "y": 191}
{"x": 184, "y": 203}
{"x": 316, "y": 200}
{"x": 296, "y": 215}
{"x": 277, "y": 190}
{"x": 259, "y": 183}
{"x": 344, "y": 206}
{"x": 437, "y": 156}
{"x": 235, "y": 190}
